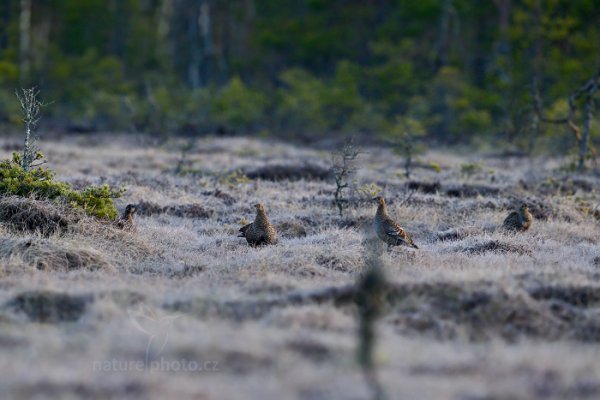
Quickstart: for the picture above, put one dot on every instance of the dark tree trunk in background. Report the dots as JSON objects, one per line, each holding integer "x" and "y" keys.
{"x": 25, "y": 42}
{"x": 588, "y": 115}
{"x": 206, "y": 33}
{"x": 502, "y": 59}
{"x": 441, "y": 54}
{"x": 164, "y": 42}
{"x": 197, "y": 49}
{"x": 537, "y": 76}
{"x": 195, "y": 45}
{"x": 480, "y": 60}
{"x": 5, "y": 22}
{"x": 121, "y": 16}
{"x": 504, "y": 9}
{"x": 223, "y": 33}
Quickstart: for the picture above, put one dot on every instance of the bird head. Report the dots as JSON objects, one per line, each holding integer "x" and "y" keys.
{"x": 524, "y": 207}
{"x": 380, "y": 200}
{"x": 130, "y": 209}
{"x": 259, "y": 207}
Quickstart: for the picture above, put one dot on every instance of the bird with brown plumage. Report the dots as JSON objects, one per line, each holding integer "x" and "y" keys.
{"x": 260, "y": 232}
{"x": 125, "y": 221}
{"x": 387, "y": 229}
{"x": 518, "y": 221}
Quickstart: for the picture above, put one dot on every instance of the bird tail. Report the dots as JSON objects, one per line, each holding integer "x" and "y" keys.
{"x": 414, "y": 246}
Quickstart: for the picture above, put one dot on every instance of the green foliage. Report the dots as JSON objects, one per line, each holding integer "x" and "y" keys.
{"x": 434, "y": 166}
{"x": 95, "y": 200}
{"x": 238, "y": 107}
{"x": 370, "y": 190}
{"x": 301, "y": 104}
{"x": 405, "y": 138}
{"x": 470, "y": 169}
{"x": 308, "y": 104}
{"x": 453, "y": 108}
{"x": 308, "y": 67}
{"x": 235, "y": 179}
{"x": 39, "y": 183}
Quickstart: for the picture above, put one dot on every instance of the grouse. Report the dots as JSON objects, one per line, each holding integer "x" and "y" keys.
{"x": 125, "y": 222}
{"x": 518, "y": 221}
{"x": 388, "y": 230}
{"x": 260, "y": 232}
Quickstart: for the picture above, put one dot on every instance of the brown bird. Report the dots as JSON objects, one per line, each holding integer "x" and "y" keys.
{"x": 518, "y": 221}
{"x": 260, "y": 232}
{"x": 125, "y": 221}
{"x": 388, "y": 230}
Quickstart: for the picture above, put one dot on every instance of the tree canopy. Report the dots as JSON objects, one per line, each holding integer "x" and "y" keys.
{"x": 467, "y": 71}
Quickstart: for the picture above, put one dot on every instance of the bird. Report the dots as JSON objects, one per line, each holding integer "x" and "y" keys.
{"x": 260, "y": 232}
{"x": 125, "y": 221}
{"x": 387, "y": 229}
{"x": 518, "y": 221}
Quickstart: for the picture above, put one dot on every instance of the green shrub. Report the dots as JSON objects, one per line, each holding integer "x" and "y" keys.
{"x": 470, "y": 169}
{"x": 300, "y": 104}
{"x": 39, "y": 183}
{"x": 237, "y": 107}
{"x": 406, "y": 138}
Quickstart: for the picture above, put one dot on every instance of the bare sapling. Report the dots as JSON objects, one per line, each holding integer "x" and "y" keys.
{"x": 343, "y": 166}
{"x": 30, "y": 108}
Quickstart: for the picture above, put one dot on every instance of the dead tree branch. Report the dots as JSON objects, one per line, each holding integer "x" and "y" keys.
{"x": 589, "y": 89}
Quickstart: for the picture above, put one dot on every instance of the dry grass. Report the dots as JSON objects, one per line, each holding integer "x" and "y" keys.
{"x": 48, "y": 256}
{"x": 29, "y": 215}
{"x": 475, "y": 314}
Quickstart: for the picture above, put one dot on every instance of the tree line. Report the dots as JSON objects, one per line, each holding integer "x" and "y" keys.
{"x": 479, "y": 72}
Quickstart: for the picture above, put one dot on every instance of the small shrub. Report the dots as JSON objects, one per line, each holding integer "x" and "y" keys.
{"x": 182, "y": 164}
{"x": 96, "y": 200}
{"x": 434, "y": 166}
{"x": 470, "y": 169}
{"x": 406, "y": 137}
{"x": 39, "y": 183}
{"x": 371, "y": 190}
{"x": 234, "y": 179}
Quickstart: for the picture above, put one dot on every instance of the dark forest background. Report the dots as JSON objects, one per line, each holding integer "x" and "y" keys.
{"x": 451, "y": 71}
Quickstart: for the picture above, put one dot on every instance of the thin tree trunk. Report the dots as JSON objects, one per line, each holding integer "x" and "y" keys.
{"x": 585, "y": 137}
{"x": 502, "y": 60}
{"x": 164, "y": 46}
{"x": 441, "y": 56}
{"x": 25, "y": 41}
{"x": 536, "y": 81}
{"x": 205, "y": 23}
{"x": 535, "y": 116}
{"x": 195, "y": 45}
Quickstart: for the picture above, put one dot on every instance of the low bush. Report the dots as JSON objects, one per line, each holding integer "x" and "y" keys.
{"x": 39, "y": 183}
